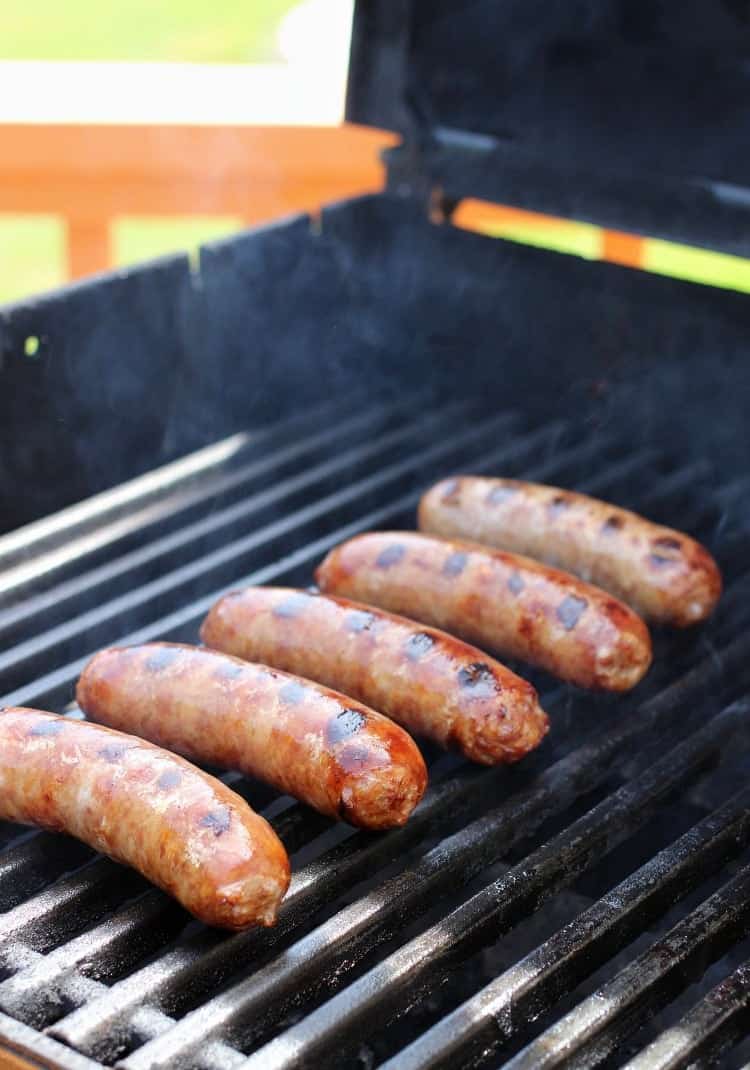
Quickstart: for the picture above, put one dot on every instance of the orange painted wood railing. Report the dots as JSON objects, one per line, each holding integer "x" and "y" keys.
{"x": 90, "y": 174}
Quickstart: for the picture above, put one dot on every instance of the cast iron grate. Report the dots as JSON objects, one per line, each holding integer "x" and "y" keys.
{"x": 590, "y": 907}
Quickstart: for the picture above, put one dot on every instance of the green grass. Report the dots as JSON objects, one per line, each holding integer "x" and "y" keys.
{"x": 224, "y": 31}
{"x": 134, "y": 240}
{"x": 32, "y": 255}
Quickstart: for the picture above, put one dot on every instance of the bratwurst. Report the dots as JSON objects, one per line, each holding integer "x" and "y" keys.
{"x": 325, "y": 749}
{"x": 502, "y": 602}
{"x": 181, "y": 828}
{"x": 428, "y": 681}
{"x": 664, "y": 575}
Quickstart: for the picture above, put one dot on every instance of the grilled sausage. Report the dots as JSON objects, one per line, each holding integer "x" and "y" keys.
{"x": 307, "y": 741}
{"x": 666, "y": 576}
{"x": 499, "y": 601}
{"x": 180, "y": 827}
{"x": 426, "y": 680}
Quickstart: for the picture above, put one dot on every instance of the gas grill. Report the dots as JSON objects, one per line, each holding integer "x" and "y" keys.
{"x": 228, "y": 423}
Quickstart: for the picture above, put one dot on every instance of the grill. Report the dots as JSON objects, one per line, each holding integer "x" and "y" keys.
{"x": 589, "y": 906}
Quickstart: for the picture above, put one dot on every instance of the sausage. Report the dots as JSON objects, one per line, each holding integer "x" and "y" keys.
{"x": 181, "y": 828}
{"x": 308, "y": 741}
{"x": 503, "y": 602}
{"x": 664, "y": 575}
{"x": 426, "y": 680}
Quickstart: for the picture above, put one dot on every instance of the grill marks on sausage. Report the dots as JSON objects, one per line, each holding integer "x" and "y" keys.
{"x": 417, "y": 645}
{"x": 478, "y": 680}
{"x": 112, "y": 752}
{"x": 345, "y": 724}
{"x": 451, "y": 492}
{"x": 390, "y": 556}
{"x": 570, "y": 611}
{"x": 558, "y": 505}
{"x": 161, "y": 659}
{"x": 660, "y": 561}
{"x": 455, "y": 563}
{"x": 228, "y": 670}
{"x": 291, "y": 606}
{"x": 170, "y": 778}
{"x": 515, "y": 583}
{"x": 47, "y": 728}
{"x": 292, "y": 693}
{"x": 359, "y": 620}
{"x": 612, "y": 524}
{"x": 498, "y": 495}
{"x": 667, "y": 542}
{"x": 217, "y": 820}
{"x": 666, "y": 551}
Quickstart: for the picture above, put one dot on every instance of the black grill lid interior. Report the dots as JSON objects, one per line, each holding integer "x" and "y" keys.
{"x": 629, "y": 113}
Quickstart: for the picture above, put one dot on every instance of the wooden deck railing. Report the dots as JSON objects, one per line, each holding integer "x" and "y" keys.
{"x": 90, "y": 175}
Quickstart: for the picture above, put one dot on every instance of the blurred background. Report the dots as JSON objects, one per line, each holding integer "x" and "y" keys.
{"x": 143, "y": 127}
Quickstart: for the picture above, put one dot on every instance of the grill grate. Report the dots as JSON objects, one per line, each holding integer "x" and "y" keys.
{"x": 631, "y": 824}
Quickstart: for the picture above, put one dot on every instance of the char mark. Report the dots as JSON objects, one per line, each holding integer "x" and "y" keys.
{"x": 478, "y": 680}
{"x": 660, "y": 561}
{"x": 570, "y": 611}
{"x": 515, "y": 583}
{"x": 292, "y": 693}
{"x": 162, "y": 658}
{"x": 417, "y": 645}
{"x": 345, "y": 724}
{"x": 667, "y": 542}
{"x": 498, "y": 495}
{"x": 292, "y": 606}
{"x": 455, "y": 563}
{"x": 228, "y": 670}
{"x": 612, "y": 524}
{"x": 451, "y": 492}
{"x": 558, "y": 504}
{"x": 112, "y": 752}
{"x": 47, "y": 728}
{"x": 390, "y": 556}
{"x": 170, "y": 778}
{"x": 359, "y": 620}
{"x": 217, "y": 820}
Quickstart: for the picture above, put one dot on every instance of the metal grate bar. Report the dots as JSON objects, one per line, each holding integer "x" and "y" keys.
{"x": 53, "y": 688}
{"x": 27, "y": 658}
{"x": 36, "y": 994}
{"x": 28, "y": 865}
{"x": 713, "y": 1025}
{"x": 198, "y": 965}
{"x": 410, "y": 893}
{"x": 137, "y": 993}
{"x": 79, "y": 1040}
{"x": 90, "y": 584}
{"x": 475, "y": 1030}
{"x": 391, "y": 987}
{"x": 141, "y": 500}
{"x": 41, "y": 1050}
{"x": 595, "y": 1027}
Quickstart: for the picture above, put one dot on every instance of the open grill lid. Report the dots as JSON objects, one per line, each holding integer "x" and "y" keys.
{"x": 627, "y": 113}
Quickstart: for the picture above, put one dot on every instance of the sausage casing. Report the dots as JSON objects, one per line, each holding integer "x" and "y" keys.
{"x": 663, "y": 574}
{"x": 325, "y": 749}
{"x": 426, "y": 680}
{"x": 503, "y": 602}
{"x": 183, "y": 829}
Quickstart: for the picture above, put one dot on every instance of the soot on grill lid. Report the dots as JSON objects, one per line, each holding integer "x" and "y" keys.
{"x": 628, "y": 113}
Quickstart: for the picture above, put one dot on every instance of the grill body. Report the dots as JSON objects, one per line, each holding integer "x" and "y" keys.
{"x": 591, "y": 900}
